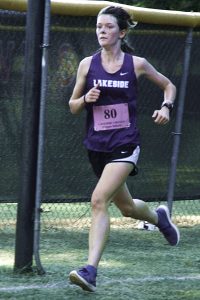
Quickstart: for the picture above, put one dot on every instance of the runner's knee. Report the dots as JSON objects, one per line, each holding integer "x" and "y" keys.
{"x": 98, "y": 202}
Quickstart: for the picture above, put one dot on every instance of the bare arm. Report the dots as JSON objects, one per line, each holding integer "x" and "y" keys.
{"x": 143, "y": 67}
{"x": 78, "y": 100}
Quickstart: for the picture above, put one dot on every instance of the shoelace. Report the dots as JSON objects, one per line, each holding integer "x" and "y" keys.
{"x": 84, "y": 270}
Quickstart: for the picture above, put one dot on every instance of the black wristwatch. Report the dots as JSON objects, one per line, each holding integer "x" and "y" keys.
{"x": 169, "y": 105}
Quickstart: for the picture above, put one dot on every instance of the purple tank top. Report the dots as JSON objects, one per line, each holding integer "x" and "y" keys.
{"x": 111, "y": 121}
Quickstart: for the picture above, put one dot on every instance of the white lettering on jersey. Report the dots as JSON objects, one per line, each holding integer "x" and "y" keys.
{"x": 121, "y": 84}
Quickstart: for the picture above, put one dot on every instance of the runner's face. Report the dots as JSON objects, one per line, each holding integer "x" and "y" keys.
{"x": 107, "y": 30}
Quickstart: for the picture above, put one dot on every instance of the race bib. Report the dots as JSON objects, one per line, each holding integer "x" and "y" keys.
{"x": 107, "y": 117}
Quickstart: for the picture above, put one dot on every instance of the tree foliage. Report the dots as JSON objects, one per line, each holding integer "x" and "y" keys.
{"x": 180, "y": 5}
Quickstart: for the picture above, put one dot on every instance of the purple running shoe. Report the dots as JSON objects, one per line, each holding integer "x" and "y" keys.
{"x": 85, "y": 278}
{"x": 166, "y": 227}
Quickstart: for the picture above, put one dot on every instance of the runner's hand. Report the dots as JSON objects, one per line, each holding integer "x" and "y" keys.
{"x": 162, "y": 116}
{"x": 93, "y": 94}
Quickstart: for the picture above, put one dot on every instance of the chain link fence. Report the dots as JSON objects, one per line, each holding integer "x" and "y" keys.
{"x": 68, "y": 178}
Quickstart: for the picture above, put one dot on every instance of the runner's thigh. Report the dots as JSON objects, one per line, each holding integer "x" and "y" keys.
{"x": 113, "y": 177}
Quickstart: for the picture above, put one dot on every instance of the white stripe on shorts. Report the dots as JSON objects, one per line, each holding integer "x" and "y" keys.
{"x": 133, "y": 158}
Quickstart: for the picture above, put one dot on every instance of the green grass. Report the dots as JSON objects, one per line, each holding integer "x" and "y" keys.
{"x": 136, "y": 265}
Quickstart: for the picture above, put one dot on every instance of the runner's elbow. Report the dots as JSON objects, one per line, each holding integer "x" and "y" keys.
{"x": 73, "y": 108}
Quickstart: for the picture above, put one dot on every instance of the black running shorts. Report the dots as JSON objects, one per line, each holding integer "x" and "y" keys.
{"x": 124, "y": 153}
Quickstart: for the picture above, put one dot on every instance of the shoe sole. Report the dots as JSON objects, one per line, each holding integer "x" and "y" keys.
{"x": 172, "y": 224}
{"x": 76, "y": 279}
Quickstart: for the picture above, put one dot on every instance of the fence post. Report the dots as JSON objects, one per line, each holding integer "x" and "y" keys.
{"x": 30, "y": 119}
{"x": 179, "y": 118}
{"x": 41, "y": 137}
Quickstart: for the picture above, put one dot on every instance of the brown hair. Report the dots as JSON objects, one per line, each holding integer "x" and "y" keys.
{"x": 124, "y": 21}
